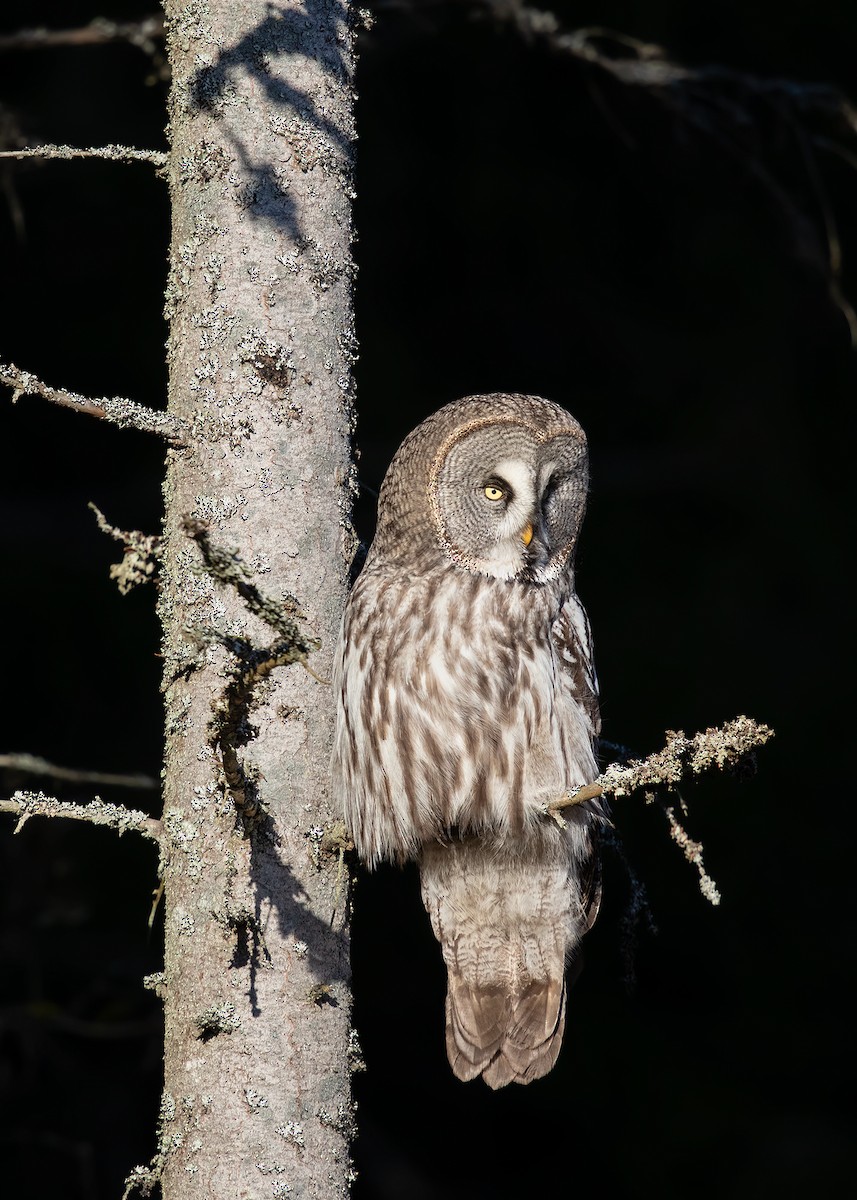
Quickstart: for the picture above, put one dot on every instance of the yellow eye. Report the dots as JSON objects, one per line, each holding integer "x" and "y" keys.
{"x": 493, "y": 492}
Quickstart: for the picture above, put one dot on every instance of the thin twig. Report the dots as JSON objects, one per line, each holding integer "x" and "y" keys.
{"x": 97, "y": 1031}
{"x": 718, "y": 103}
{"x": 127, "y": 414}
{"x": 834, "y": 246}
{"x": 693, "y": 854}
{"x": 142, "y": 555}
{"x": 113, "y": 153}
{"x": 36, "y": 804}
{"x": 99, "y": 32}
{"x": 30, "y": 764}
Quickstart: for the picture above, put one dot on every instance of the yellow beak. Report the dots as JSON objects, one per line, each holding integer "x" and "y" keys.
{"x": 527, "y": 534}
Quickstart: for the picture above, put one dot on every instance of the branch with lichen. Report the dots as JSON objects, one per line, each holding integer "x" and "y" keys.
{"x": 25, "y": 805}
{"x": 230, "y": 727}
{"x": 731, "y": 747}
{"x": 127, "y": 414}
{"x": 140, "y": 560}
{"x": 111, "y": 153}
{"x": 144, "y": 1179}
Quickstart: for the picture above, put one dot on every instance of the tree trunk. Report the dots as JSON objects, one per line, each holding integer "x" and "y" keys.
{"x": 257, "y": 1093}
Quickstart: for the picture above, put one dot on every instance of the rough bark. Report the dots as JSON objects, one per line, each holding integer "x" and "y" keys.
{"x": 257, "y": 1093}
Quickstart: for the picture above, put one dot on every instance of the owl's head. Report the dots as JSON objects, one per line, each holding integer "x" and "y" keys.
{"x": 495, "y": 483}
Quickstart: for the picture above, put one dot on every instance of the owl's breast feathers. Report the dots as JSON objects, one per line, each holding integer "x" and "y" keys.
{"x": 463, "y": 703}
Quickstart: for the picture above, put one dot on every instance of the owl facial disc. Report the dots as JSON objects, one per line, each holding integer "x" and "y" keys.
{"x": 508, "y": 499}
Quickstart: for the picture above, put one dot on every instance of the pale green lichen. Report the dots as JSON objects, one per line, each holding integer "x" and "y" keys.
{"x": 144, "y": 1180}
{"x": 293, "y": 1132}
{"x": 219, "y": 510}
{"x": 217, "y": 1018}
{"x": 270, "y": 1168}
{"x": 354, "y": 1053}
{"x": 342, "y": 1120}
{"x": 156, "y": 982}
{"x": 216, "y": 323}
{"x": 204, "y": 162}
{"x": 311, "y": 147}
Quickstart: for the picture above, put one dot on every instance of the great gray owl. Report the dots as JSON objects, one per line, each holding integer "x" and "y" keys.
{"x": 467, "y": 701}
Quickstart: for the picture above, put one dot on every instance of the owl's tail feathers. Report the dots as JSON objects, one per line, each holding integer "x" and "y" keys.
{"x": 504, "y": 1038}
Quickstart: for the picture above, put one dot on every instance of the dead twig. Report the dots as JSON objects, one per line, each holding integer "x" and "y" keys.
{"x": 25, "y": 805}
{"x": 127, "y": 414}
{"x": 143, "y": 33}
{"x": 30, "y": 764}
{"x": 112, "y": 153}
{"x": 719, "y": 104}
{"x": 142, "y": 554}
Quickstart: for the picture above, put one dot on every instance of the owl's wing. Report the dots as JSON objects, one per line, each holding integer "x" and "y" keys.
{"x": 590, "y": 889}
{"x": 572, "y": 639}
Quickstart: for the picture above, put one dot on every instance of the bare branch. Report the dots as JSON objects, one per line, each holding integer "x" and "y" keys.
{"x": 36, "y": 804}
{"x": 720, "y": 104}
{"x": 113, "y": 153}
{"x": 127, "y": 414}
{"x": 29, "y": 764}
{"x": 646, "y": 64}
{"x": 588, "y": 791}
{"x": 143, "y": 33}
{"x": 104, "y": 1030}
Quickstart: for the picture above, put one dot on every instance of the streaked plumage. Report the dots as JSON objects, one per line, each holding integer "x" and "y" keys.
{"x": 466, "y": 701}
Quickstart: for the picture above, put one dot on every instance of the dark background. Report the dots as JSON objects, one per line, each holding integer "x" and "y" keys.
{"x": 657, "y": 262}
